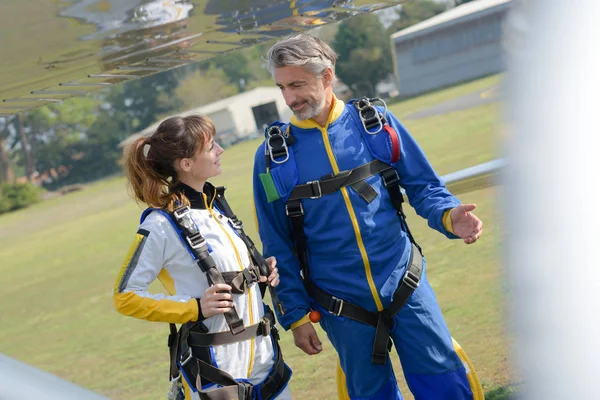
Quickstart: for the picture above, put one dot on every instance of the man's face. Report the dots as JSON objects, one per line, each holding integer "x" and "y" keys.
{"x": 304, "y": 93}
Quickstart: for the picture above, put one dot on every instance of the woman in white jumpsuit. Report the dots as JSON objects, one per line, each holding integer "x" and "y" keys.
{"x": 165, "y": 171}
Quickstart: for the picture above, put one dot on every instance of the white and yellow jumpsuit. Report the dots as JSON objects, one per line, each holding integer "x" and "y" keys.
{"x": 158, "y": 252}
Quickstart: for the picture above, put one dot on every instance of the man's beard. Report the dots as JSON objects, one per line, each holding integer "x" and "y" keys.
{"x": 312, "y": 109}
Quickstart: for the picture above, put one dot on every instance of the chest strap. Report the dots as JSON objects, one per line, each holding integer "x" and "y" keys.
{"x": 316, "y": 189}
{"x": 240, "y": 280}
{"x": 354, "y": 177}
{"x": 265, "y": 327}
{"x": 383, "y": 321}
{"x": 256, "y": 256}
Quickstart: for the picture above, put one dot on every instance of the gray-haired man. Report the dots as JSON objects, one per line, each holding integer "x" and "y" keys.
{"x": 328, "y": 204}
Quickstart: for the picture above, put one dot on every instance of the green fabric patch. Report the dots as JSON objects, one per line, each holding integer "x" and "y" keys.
{"x": 269, "y": 185}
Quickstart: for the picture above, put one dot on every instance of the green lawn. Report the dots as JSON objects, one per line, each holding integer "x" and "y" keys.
{"x": 59, "y": 260}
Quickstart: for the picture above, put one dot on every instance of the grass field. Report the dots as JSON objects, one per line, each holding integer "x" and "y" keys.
{"x": 59, "y": 260}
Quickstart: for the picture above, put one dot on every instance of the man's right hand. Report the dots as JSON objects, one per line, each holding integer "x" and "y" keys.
{"x": 305, "y": 337}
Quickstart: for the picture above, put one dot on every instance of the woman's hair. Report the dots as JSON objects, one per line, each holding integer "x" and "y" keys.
{"x": 150, "y": 161}
{"x": 302, "y": 50}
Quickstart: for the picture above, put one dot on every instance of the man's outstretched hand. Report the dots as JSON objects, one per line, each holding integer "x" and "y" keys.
{"x": 305, "y": 337}
{"x": 465, "y": 224}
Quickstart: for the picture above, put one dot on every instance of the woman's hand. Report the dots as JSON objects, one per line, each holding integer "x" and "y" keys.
{"x": 217, "y": 299}
{"x": 274, "y": 275}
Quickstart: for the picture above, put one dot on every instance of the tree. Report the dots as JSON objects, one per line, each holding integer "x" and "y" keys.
{"x": 364, "y": 53}
{"x": 6, "y": 171}
{"x": 25, "y": 148}
{"x": 199, "y": 88}
{"x": 241, "y": 68}
{"x": 414, "y": 12}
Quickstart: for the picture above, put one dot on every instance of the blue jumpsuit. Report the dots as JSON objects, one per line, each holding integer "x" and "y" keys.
{"x": 358, "y": 251}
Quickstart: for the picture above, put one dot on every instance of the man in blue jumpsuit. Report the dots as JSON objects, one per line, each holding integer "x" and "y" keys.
{"x": 357, "y": 247}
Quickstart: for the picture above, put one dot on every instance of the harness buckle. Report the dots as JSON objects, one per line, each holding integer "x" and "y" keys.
{"x": 236, "y": 224}
{"x": 195, "y": 244}
{"x": 390, "y": 179}
{"x": 317, "y": 191}
{"x": 338, "y": 306}
{"x": 369, "y": 116}
{"x": 265, "y": 326}
{"x": 187, "y": 359}
{"x": 411, "y": 279}
{"x": 275, "y": 134}
{"x": 184, "y": 217}
{"x": 295, "y": 211}
{"x": 181, "y": 212}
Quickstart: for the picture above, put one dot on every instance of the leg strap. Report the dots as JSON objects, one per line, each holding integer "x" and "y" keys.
{"x": 383, "y": 321}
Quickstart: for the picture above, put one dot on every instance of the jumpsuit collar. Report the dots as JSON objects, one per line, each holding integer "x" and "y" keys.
{"x": 200, "y": 200}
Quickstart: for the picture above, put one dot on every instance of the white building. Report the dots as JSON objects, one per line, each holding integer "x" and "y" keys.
{"x": 237, "y": 117}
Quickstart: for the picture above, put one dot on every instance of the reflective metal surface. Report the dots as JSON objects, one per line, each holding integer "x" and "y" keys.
{"x": 54, "y": 49}
{"x": 24, "y": 382}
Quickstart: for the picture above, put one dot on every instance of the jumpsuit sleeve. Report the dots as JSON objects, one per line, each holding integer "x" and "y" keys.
{"x": 276, "y": 236}
{"x": 142, "y": 265}
{"x": 425, "y": 190}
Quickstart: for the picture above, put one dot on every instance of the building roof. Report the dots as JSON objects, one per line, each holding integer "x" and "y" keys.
{"x": 453, "y": 14}
{"x": 206, "y": 109}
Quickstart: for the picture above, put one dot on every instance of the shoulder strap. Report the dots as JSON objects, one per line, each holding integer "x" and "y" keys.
{"x": 277, "y": 142}
{"x": 196, "y": 244}
{"x": 255, "y": 255}
{"x": 374, "y": 122}
{"x": 170, "y": 218}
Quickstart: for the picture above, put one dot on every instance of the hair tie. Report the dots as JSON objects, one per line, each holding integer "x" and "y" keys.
{"x": 146, "y": 145}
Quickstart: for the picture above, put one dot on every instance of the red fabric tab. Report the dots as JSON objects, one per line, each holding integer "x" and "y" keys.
{"x": 395, "y": 142}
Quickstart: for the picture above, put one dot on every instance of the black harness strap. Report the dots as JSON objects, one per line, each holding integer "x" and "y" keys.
{"x": 277, "y": 379}
{"x": 233, "y": 390}
{"x": 392, "y": 184}
{"x": 203, "y": 339}
{"x": 295, "y": 212}
{"x": 364, "y": 190}
{"x": 199, "y": 248}
{"x": 255, "y": 255}
{"x": 383, "y": 321}
{"x": 328, "y": 185}
{"x": 173, "y": 343}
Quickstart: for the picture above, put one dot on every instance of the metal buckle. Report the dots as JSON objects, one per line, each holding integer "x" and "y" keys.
{"x": 179, "y": 214}
{"x": 363, "y": 105}
{"x": 189, "y": 357}
{"x": 411, "y": 279}
{"x": 382, "y": 102}
{"x": 278, "y": 135}
{"x": 237, "y": 224}
{"x": 389, "y": 179}
{"x": 319, "y": 191}
{"x": 197, "y": 245}
{"x": 338, "y": 304}
{"x": 294, "y": 213}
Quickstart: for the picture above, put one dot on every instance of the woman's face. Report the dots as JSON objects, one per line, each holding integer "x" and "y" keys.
{"x": 204, "y": 165}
